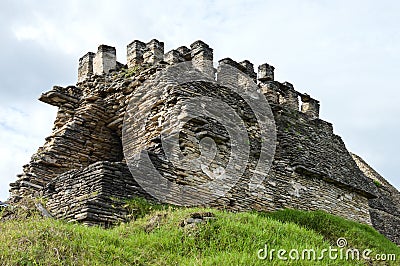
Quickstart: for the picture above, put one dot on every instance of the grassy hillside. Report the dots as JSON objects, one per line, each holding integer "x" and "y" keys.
{"x": 163, "y": 235}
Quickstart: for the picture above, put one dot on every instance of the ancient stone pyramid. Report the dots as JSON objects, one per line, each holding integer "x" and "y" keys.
{"x": 82, "y": 170}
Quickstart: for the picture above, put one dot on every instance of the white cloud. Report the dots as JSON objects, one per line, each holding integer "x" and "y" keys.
{"x": 27, "y": 33}
{"x": 22, "y": 131}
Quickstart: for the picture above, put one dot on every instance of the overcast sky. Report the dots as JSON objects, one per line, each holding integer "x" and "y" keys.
{"x": 344, "y": 53}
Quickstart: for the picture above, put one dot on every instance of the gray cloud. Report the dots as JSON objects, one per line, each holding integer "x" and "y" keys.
{"x": 346, "y": 54}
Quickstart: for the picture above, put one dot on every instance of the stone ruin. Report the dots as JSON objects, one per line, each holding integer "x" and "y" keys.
{"x": 82, "y": 172}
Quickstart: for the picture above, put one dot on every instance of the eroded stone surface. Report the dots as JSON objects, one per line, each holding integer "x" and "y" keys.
{"x": 384, "y": 209}
{"x": 82, "y": 172}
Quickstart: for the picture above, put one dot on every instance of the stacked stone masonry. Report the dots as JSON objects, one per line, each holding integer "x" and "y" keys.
{"x": 84, "y": 195}
{"x": 82, "y": 172}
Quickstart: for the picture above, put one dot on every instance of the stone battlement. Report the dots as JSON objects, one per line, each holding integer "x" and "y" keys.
{"x": 82, "y": 167}
{"x": 150, "y": 53}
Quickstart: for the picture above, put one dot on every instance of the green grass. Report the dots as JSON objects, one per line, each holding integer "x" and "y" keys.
{"x": 139, "y": 207}
{"x": 332, "y": 227}
{"x": 377, "y": 183}
{"x": 229, "y": 239}
{"x": 132, "y": 71}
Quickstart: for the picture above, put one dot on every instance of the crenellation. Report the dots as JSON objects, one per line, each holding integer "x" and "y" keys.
{"x": 134, "y": 53}
{"x": 231, "y": 62}
{"x": 249, "y": 69}
{"x": 185, "y": 52}
{"x": 289, "y": 96}
{"x": 105, "y": 60}
{"x": 85, "y": 68}
{"x": 309, "y": 106}
{"x": 245, "y": 67}
{"x": 202, "y": 57}
{"x": 173, "y": 57}
{"x": 311, "y": 170}
{"x": 224, "y": 75}
{"x": 271, "y": 91}
{"x": 265, "y": 72}
{"x": 200, "y": 48}
{"x": 154, "y": 52}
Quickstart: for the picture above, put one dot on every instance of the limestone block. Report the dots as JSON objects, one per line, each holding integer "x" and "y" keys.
{"x": 265, "y": 72}
{"x": 105, "y": 60}
{"x": 85, "y": 66}
{"x": 154, "y": 52}
{"x": 134, "y": 53}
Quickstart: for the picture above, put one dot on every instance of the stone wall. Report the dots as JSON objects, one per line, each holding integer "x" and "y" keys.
{"x": 80, "y": 137}
{"x": 312, "y": 168}
{"x": 92, "y": 195}
{"x": 105, "y": 59}
{"x": 385, "y": 208}
{"x": 82, "y": 172}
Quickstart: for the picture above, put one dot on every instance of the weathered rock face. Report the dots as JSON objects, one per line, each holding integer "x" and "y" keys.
{"x": 385, "y": 208}
{"x": 90, "y": 195}
{"x": 82, "y": 171}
